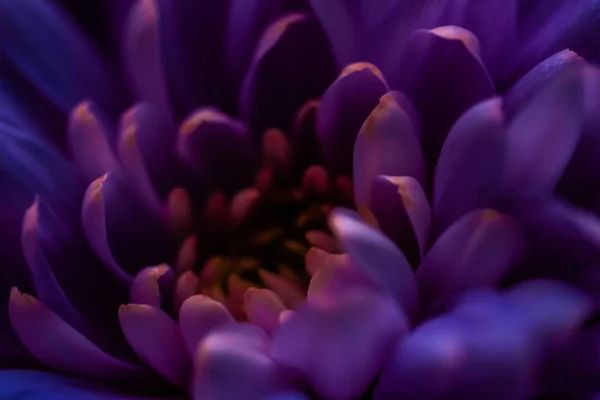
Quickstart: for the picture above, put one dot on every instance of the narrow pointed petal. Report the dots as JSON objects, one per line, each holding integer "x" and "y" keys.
{"x": 145, "y": 288}
{"x": 534, "y": 80}
{"x": 343, "y": 343}
{"x": 55, "y": 343}
{"x": 38, "y": 385}
{"x": 94, "y": 224}
{"x": 143, "y": 55}
{"x": 424, "y": 364}
{"x": 198, "y": 316}
{"x": 377, "y": 257}
{"x": 479, "y": 249}
{"x": 387, "y": 144}
{"x": 65, "y": 73}
{"x": 139, "y": 125}
{"x": 469, "y": 171}
{"x": 555, "y": 310}
{"x": 218, "y": 147}
{"x": 89, "y": 142}
{"x": 37, "y": 222}
{"x": 542, "y": 138}
{"x": 236, "y": 354}
{"x": 263, "y": 307}
{"x": 292, "y": 64}
{"x": 156, "y": 338}
{"x": 441, "y": 94}
{"x": 345, "y": 106}
{"x": 402, "y": 211}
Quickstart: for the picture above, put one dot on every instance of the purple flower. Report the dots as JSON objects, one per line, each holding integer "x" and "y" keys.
{"x": 422, "y": 226}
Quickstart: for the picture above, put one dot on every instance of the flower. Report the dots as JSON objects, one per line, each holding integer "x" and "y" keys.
{"x": 453, "y": 145}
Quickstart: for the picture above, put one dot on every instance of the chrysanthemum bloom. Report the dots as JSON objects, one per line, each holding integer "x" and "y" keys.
{"x": 226, "y": 174}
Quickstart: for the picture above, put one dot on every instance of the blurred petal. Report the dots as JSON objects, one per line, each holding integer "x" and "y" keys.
{"x": 89, "y": 142}
{"x": 478, "y": 250}
{"x": 469, "y": 171}
{"x": 94, "y": 224}
{"x": 340, "y": 346}
{"x": 235, "y": 354}
{"x": 304, "y": 141}
{"x": 287, "y": 290}
{"x": 156, "y": 338}
{"x": 143, "y": 55}
{"x": 534, "y": 80}
{"x": 145, "y": 288}
{"x": 263, "y": 307}
{"x": 387, "y": 144}
{"x": 37, "y": 385}
{"x": 442, "y": 74}
{"x": 219, "y": 147}
{"x": 292, "y": 64}
{"x": 47, "y": 47}
{"x": 198, "y": 316}
{"x": 55, "y": 343}
{"x": 185, "y": 287}
{"x": 402, "y": 211}
{"x": 345, "y": 106}
{"x": 542, "y": 138}
{"x": 377, "y": 257}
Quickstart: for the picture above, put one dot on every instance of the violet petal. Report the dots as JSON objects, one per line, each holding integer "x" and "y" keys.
{"x": 145, "y": 288}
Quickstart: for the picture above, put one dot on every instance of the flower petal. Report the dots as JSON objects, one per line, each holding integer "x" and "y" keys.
{"x": 89, "y": 142}
{"x": 198, "y": 316}
{"x": 263, "y": 307}
{"x": 94, "y": 225}
{"x": 441, "y": 94}
{"x": 145, "y": 288}
{"x": 340, "y": 346}
{"x": 345, "y": 106}
{"x": 156, "y": 338}
{"x": 305, "y": 147}
{"x": 218, "y": 147}
{"x": 292, "y": 64}
{"x": 55, "y": 343}
{"x": 234, "y": 354}
{"x": 143, "y": 55}
{"x": 46, "y": 46}
{"x": 543, "y": 136}
{"x": 377, "y": 257}
{"x": 478, "y": 250}
{"x": 387, "y": 144}
{"x": 469, "y": 171}
{"x": 402, "y": 211}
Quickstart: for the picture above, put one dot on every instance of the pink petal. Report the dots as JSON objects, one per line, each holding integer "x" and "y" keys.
{"x": 263, "y": 308}
{"x": 289, "y": 292}
{"x": 145, "y": 288}
{"x": 185, "y": 287}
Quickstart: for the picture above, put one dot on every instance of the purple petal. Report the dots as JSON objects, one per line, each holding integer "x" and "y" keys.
{"x": 89, "y": 142}
{"x": 198, "y": 316}
{"x": 340, "y": 346}
{"x": 47, "y": 47}
{"x": 403, "y": 214}
{"x": 156, "y": 338}
{"x": 292, "y": 64}
{"x": 441, "y": 94}
{"x": 55, "y": 343}
{"x": 534, "y": 80}
{"x": 37, "y": 385}
{"x": 145, "y": 288}
{"x": 236, "y": 354}
{"x": 387, "y": 144}
{"x": 469, "y": 171}
{"x": 142, "y": 55}
{"x": 425, "y": 364}
{"x": 304, "y": 140}
{"x": 218, "y": 147}
{"x": 263, "y": 307}
{"x": 377, "y": 257}
{"x": 477, "y": 250}
{"x": 345, "y": 106}
{"x": 555, "y": 310}
{"x": 94, "y": 225}
{"x": 542, "y": 138}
